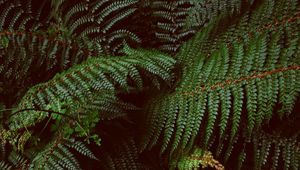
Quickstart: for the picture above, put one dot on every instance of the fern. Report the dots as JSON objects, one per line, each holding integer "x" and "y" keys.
{"x": 31, "y": 58}
{"x": 97, "y": 76}
{"x": 35, "y": 47}
{"x": 20, "y": 15}
{"x": 176, "y": 21}
{"x": 253, "y": 73}
{"x": 96, "y": 21}
{"x": 15, "y": 161}
{"x": 4, "y": 165}
{"x": 197, "y": 158}
{"x": 170, "y": 21}
{"x": 123, "y": 155}
{"x": 227, "y": 98}
{"x": 57, "y": 155}
{"x": 269, "y": 149}
{"x": 18, "y": 160}
{"x": 202, "y": 12}
{"x": 21, "y": 47}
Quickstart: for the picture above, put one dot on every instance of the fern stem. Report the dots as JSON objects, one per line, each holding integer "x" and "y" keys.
{"x": 44, "y": 110}
{"x": 233, "y": 82}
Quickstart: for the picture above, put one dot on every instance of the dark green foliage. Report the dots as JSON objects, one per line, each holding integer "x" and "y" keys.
{"x": 77, "y": 91}
{"x": 269, "y": 150}
{"x": 123, "y": 155}
{"x": 37, "y": 42}
{"x": 4, "y": 165}
{"x": 95, "y": 20}
{"x": 15, "y": 161}
{"x": 177, "y": 20}
{"x": 232, "y": 85}
{"x": 57, "y": 155}
{"x": 97, "y": 78}
{"x": 170, "y": 21}
{"x": 26, "y": 54}
{"x": 203, "y": 12}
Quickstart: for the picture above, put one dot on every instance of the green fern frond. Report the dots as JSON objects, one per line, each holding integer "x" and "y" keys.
{"x": 170, "y": 21}
{"x": 118, "y": 36}
{"x": 179, "y": 20}
{"x": 96, "y": 76}
{"x": 229, "y": 96}
{"x": 113, "y": 7}
{"x": 5, "y": 166}
{"x": 18, "y": 160}
{"x": 57, "y": 155}
{"x": 123, "y": 155}
{"x": 272, "y": 150}
{"x": 21, "y": 46}
{"x": 96, "y": 21}
{"x": 79, "y": 147}
{"x": 29, "y": 58}
{"x": 202, "y": 12}
{"x": 118, "y": 18}
{"x": 19, "y": 15}
{"x": 14, "y": 161}
{"x": 70, "y": 24}
{"x": 232, "y": 86}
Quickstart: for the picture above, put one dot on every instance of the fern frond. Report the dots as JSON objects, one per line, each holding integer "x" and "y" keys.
{"x": 230, "y": 87}
{"x": 19, "y": 15}
{"x": 5, "y": 166}
{"x": 231, "y": 99}
{"x": 28, "y": 58}
{"x": 96, "y": 76}
{"x": 270, "y": 150}
{"x": 14, "y": 161}
{"x": 122, "y": 155}
{"x": 7, "y": 7}
{"x": 96, "y": 21}
{"x": 118, "y": 37}
{"x": 118, "y": 18}
{"x": 18, "y": 160}
{"x": 113, "y": 7}
{"x": 80, "y": 147}
{"x": 77, "y": 8}
{"x": 202, "y": 12}
{"x": 179, "y": 20}
{"x": 57, "y": 155}
{"x": 170, "y": 16}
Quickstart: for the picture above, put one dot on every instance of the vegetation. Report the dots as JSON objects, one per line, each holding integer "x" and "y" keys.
{"x": 138, "y": 84}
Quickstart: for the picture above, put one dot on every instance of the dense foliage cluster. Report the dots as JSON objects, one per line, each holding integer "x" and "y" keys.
{"x": 142, "y": 84}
